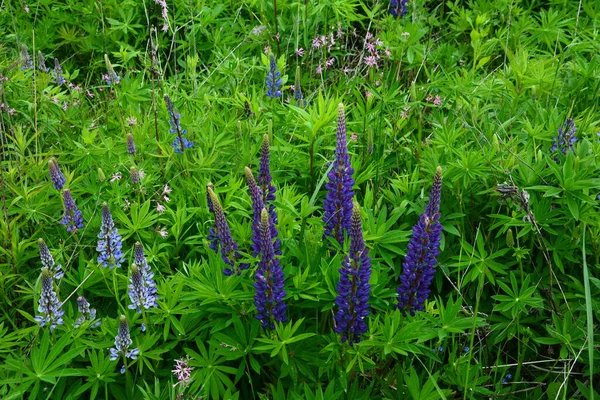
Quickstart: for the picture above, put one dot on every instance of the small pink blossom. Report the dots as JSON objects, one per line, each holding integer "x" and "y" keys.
{"x": 354, "y": 137}
{"x": 300, "y": 52}
{"x": 330, "y": 62}
{"x": 346, "y": 70}
{"x": 438, "y": 100}
{"x": 183, "y": 371}
{"x": 404, "y": 113}
{"x": 316, "y": 43}
{"x": 90, "y": 94}
{"x": 388, "y": 53}
{"x": 368, "y": 94}
{"x": 167, "y": 189}
{"x": 371, "y": 61}
{"x": 162, "y": 232}
{"x": 160, "y": 208}
{"x": 319, "y": 69}
{"x": 11, "y": 111}
{"x": 368, "y": 36}
{"x": 267, "y": 49}
{"x": 131, "y": 121}
{"x": 116, "y": 177}
{"x": 26, "y": 8}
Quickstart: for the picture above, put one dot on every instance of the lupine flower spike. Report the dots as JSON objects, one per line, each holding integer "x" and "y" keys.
{"x": 49, "y": 305}
{"x": 298, "y": 95}
{"x": 398, "y": 8}
{"x": 269, "y": 280}
{"x": 180, "y": 143}
{"x": 59, "y": 79}
{"x": 26, "y": 61}
{"x": 222, "y": 235}
{"x": 110, "y": 244}
{"x": 56, "y": 175}
{"x": 273, "y": 79}
{"x": 122, "y": 343}
{"x": 42, "y": 63}
{"x": 111, "y": 77}
{"x": 48, "y": 260}
{"x": 265, "y": 182}
{"x": 257, "y": 206}
{"x": 86, "y": 313}
{"x": 142, "y": 290}
{"x": 337, "y": 214}
{"x": 147, "y": 274}
{"x": 72, "y": 218}
{"x": 566, "y": 138}
{"x": 134, "y": 174}
{"x": 353, "y": 287}
{"x": 130, "y": 144}
{"x": 421, "y": 257}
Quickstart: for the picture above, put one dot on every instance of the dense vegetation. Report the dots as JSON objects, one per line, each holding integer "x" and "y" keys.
{"x": 418, "y": 219}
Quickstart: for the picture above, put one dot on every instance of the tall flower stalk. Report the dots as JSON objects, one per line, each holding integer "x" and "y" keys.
{"x": 49, "y": 305}
{"x": 180, "y": 143}
{"x": 421, "y": 257}
{"x": 48, "y": 260}
{"x": 265, "y": 182}
{"x": 110, "y": 244}
{"x": 353, "y": 288}
{"x": 273, "y": 79}
{"x": 122, "y": 343}
{"x": 56, "y": 175}
{"x": 566, "y": 138}
{"x": 269, "y": 280}
{"x": 338, "y": 201}
{"x": 257, "y": 207}
{"x": 72, "y": 218}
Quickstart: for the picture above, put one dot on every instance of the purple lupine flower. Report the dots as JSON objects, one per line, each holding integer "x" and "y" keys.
{"x": 269, "y": 280}
{"x": 48, "y": 260}
{"x": 398, "y": 8}
{"x": 566, "y": 139}
{"x": 134, "y": 174}
{"x": 86, "y": 313}
{"x": 49, "y": 305}
{"x": 42, "y": 63}
{"x": 147, "y": 274}
{"x": 72, "y": 218}
{"x": 122, "y": 343}
{"x": 268, "y": 191}
{"x": 212, "y": 235}
{"x": 110, "y": 243}
{"x": 142, "y": 289}
{"x": 26, "y": 61}
{"x": 56, "y": 175}
{"x": 59, "y": 79}
{"x": 130, "y": 144}
{"x": 353, "y": 287}
{"x": 273, "y": 79}
{"x": 111, "y": 78}
{"x": 421, "y": 257}
{"x": 298, "y": 95}
{"x": 337, "y": 214}
{"x": 180, "y": 143}
{"x": 257, "y": 207}
{"x": 229, "y": 247}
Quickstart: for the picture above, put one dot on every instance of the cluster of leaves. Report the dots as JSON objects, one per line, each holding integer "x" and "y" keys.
{"x": 480, "y": 89}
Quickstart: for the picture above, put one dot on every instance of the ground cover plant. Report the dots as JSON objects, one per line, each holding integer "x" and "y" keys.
{"x": 299, "y": 200}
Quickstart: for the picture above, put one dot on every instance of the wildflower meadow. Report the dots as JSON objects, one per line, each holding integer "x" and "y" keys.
{"x": 348, "y": 199}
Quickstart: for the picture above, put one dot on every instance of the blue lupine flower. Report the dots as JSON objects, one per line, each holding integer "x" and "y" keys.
{"x": 353, "y": 287}
{"x": 212, "y": 234}
{"x": 265, "y": 182}
{"x": 42, "y": 63}
{"x": 398, "y": 8}
{"x": 337, "y": 214}
{"x": 566, "y": 139}
{"x": 421, "y": 257}
{"x": 111, "y": 78}
{"x": 507, "y": 378}
{"x": 134, "y": 174}
{"x": 49, "y": 305}
{"x": 26, "y": 61}
{"x": 273, "y": 79}
{"x": 72, "y": 218}
{"x": 130, "y": 144}
{"x": 180, "y": 143}
{"x": 110, "y": 243}
{"x": 59, "y": 79}
{"x": 466, "y": 349}
{"x": 48, "y": 260}
{"x": 257, "y": 207}
{"x": 298, "y": 95}
{"x": 142, "y": 289}
{"x": 222, "y": 235}
{"x": 86, "y": 313}
{"x": 122, "y": 343}
{"x": 56, "y": 176}
{"x": 269, "y": 280}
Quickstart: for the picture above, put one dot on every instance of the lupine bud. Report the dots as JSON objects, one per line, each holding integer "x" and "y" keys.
{"x": 111, "y": 78}
{"x": 49, "y": 305}
{"x": 273, "y": 79}
{"x": 59, "y": 79}
{"x": 72, "y": 218}
{"x": 101, "y": 176}
{"x": 353, "y": 288}
{"x": 337, "y": 214}
{"x": 510, "y": 239}
{"x": 298, "y": 95}
{"x": 42, "y": 63}
{"x": 265, "y": 182}
{"x": 421, "y": 257}
{"x": 134, "y": 175}
{"x": 122, "y": 343}
{"x": 48, "y": 260}
{"x": 130, "y": 144}
{"x": 56, "y": 175}
{"x": 26, "y": 62}
{"x": 269, "y": 280}
{"x": 86, "y": 313}
{"x": 110, "y": 244}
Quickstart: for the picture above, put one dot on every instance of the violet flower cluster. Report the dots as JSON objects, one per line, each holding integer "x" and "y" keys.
{"x": 26, "y": 61}
{"x": 398, "y": 8}
{"x": 220, "y": 236}
{"x": 72, "y": 218}
{"x": 42, "y": 63}
{"x": 142, "y": 289}
{"x": 122, "y": 343}
{"x": 59, "y": 79}
{"x": 111, "y": 77}
{"x": 269, "y": 280}
{"x": 180, "y": 143}
{"x": 56, "y": 176}
{"x": 338, "y": 201}
{"x": 130, "y": 144}
{"x": 353, "y": 287}
{"x": 421, "y": 257}
{"x": 273, "y": 79}
{"x": 48, "y": 260}
{"x": 566, "y": 139}
{"x": 257, "y": 207}
{"x": 265, "y": 182}
{"x": 49, "y": 305}
{"x": 110, "y": 243}
{"x": 86, "y": 313}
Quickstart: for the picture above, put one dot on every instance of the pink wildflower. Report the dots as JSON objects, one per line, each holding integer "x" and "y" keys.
{"x": 162, "y": 232}
{"x": 354, "y": 137}
{"x": 330, "y": 62}
{"x": 116, "y": 177}
{"x": 160, "y": 208}
{"x": 316, "y": 43}
{"x": 300, "y": 52}
{"x": 131, "y": 121}
{"x": 319, "y": 69}
{"x": 26, "y": 8}
{"x": 438, "y": 100}
{"x": 371, "y": 61}
{"x": 183, "y": 371}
